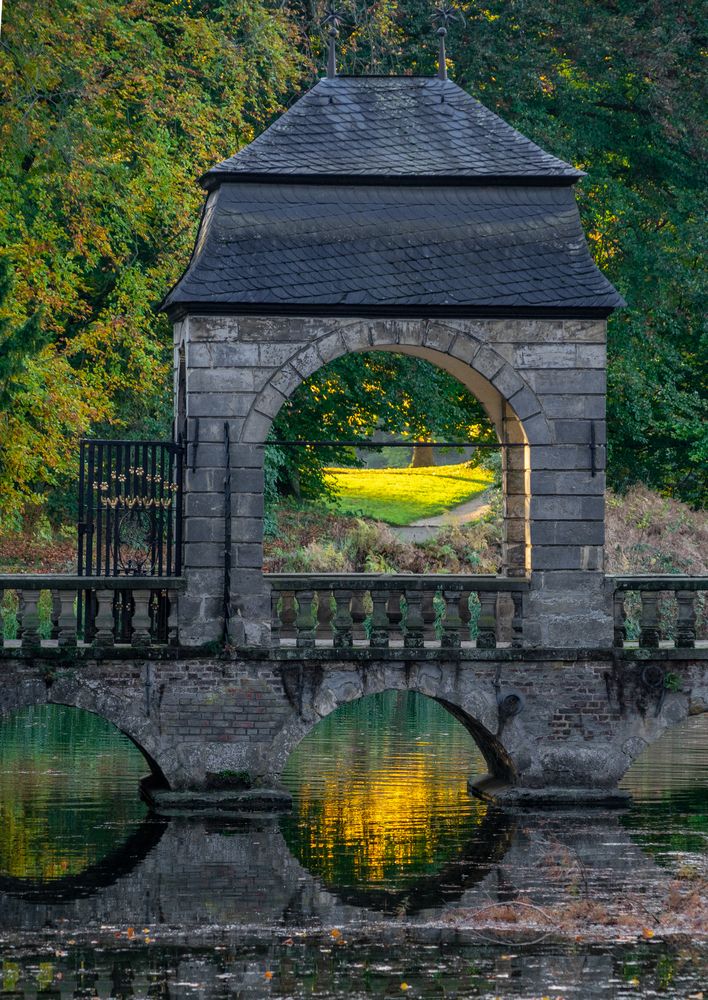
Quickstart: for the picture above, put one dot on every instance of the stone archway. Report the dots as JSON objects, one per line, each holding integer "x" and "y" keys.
{"x": 542, "y": 382}
{"x": 321, "y": 693}
{"x": 509, "y": 402}
{"x": 100, "y": 700}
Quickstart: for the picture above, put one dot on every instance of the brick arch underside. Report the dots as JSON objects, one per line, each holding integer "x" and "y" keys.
{"x": 501, "y": 390}
{"x": 104, "y": 703}
{"x": 476, "y": 710}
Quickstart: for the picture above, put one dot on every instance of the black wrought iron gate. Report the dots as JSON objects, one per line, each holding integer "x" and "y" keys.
{"x": 130, "y": 521}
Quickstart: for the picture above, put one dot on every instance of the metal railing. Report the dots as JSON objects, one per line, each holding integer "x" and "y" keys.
{"x": 40, "y": 611}
{"x": 383, "y": 611}
{"x": 652, "y": 611}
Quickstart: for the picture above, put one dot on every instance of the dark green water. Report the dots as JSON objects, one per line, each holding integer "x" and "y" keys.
{"x": 383, "y": 830}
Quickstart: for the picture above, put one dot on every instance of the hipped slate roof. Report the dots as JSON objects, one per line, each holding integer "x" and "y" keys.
{"x": 392, "y": 126}
{"x": 392, "y": 195}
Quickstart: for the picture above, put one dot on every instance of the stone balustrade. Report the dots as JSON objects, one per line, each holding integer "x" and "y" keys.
{"x": 652, "y": 611}
{"x": 407, "y": 611}
{"x": 43, "y": 611}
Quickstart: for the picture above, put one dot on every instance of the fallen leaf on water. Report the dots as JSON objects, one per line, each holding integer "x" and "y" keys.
{"x": 647, "y": 932}
{"x": 634, "y": 981}
{"x": 268, "y": 975}
{"x": 335, "y": 933}
{"x": 405, "y": 986}
{"x": 130, "y": 932}
{"x": 288, "y": 941}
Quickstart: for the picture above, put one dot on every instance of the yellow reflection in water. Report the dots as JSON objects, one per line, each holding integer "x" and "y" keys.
{"x": 381, "y": 792}
{"x": 68, "y": 792}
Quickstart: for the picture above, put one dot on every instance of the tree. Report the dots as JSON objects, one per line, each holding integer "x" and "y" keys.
{"x": 111, "y": 109}
{"x": 357, "y": 396}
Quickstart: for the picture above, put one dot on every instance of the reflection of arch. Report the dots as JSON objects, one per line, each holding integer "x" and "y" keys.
{"x": 99, "y": 701}
{"x": 507, "y": 398}
{"x": 488, "y": 846}
{"x": 115, "y": 865}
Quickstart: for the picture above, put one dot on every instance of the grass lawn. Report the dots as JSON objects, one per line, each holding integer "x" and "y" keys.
{"x": 400, "y": 496}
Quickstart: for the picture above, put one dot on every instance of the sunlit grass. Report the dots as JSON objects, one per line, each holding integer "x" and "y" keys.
{"x": 400, "y": 496}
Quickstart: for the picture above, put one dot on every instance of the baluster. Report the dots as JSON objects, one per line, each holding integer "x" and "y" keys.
{"x": 451, "y": 622}
{"x": 465, "y": 614}
{"x": 105, "y": 624}
{"x": 19, "y": 614}
{"x": 413, "y": 638}
{"x": 275, "y": 621}
{"x": 620, "y": 619}
{"x": 325, "y": 614}
{"x": 343, "y": 619}
{"x": 55, "y": 613}
{"x": 358, "y": 612}
{"x": 428, "y": 614}
{"x": 288, "y": 614}
{"x": 649, "y": 621}
{"x": 394, "y": 614}
{"x": 66, "y": 631}
{"x": 305, "y": 622}
{"x": 686, "y": 621}
{"x": 487, "y": 622}
{"x": 30, "y": 619}
{"x": 141, "y": 618}
{"x": 379, "y": 619}
{"x": 517, "y": 620}
{"x": 172, "y": 618}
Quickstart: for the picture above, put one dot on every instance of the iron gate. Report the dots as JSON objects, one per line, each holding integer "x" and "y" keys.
{"x": 130, "y": 523}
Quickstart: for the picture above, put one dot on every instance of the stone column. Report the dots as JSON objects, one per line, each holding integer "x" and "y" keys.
{"x": 568, "y": 605}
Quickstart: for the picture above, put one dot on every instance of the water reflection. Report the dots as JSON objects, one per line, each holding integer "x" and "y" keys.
{"x": 68, "y": 792}
{"x": 669, "y": 786}
{"x": 381, "y": 800}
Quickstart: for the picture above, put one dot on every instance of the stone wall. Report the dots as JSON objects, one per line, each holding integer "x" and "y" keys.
{"x": 541, "y": 381}
{"x": 583, "y": 718}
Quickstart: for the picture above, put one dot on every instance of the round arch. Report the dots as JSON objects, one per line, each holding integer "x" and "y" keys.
{"x": 117, "y": 713}
{"x": 503, "y": 393}
{"x": 324, "y": 693}
{"x": 506, "y": 397}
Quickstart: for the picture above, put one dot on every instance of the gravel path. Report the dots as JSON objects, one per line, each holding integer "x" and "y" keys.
{"x": 427, "y": 527}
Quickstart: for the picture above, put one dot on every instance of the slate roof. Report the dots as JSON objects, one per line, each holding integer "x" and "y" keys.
{"x": 392, "y": 127}
{"x": 265, "y": 244}
{"x": 388, "y": 200}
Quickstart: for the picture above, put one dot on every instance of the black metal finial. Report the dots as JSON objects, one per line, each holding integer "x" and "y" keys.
{"x": 444, "y": 14}
{"x": 333, "y": 18}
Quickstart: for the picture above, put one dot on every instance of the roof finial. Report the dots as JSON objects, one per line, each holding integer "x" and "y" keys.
{"x": 333, "y": 18}
{"x": 444, "y": 14}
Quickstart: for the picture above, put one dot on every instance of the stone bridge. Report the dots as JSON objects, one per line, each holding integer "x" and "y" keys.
{"x": 550, "y": 723}
{"x": 380, "y": 214}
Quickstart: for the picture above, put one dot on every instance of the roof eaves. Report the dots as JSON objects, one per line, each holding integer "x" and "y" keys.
{"x": 178, "y": 310}
{"x": 213, "y": 178}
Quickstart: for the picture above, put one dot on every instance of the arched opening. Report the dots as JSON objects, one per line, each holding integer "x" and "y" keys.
{"x": 382, "y": 813}
{"x": 405, "y": 392}
{"x": 668, "y": 783}
{"x": 366, "y": 495}
{"x": 71, "y": 812}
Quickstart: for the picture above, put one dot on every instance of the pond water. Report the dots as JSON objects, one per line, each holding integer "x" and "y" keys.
{"x": 356, "y": 893}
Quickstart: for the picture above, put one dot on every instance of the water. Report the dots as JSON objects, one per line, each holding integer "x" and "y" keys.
{"x": 360, "y": 890}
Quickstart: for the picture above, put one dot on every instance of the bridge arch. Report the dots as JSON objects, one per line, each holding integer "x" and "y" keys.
{"x": 317, "y": 695}
{"x": 100, "y": 700}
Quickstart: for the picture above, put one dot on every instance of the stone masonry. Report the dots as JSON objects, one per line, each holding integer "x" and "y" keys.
{"x": 577, "y": 720}
{"x": 541, "y": 381}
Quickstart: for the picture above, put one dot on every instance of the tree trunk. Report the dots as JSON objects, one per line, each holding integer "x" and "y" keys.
{"x": 423, "y": 456}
